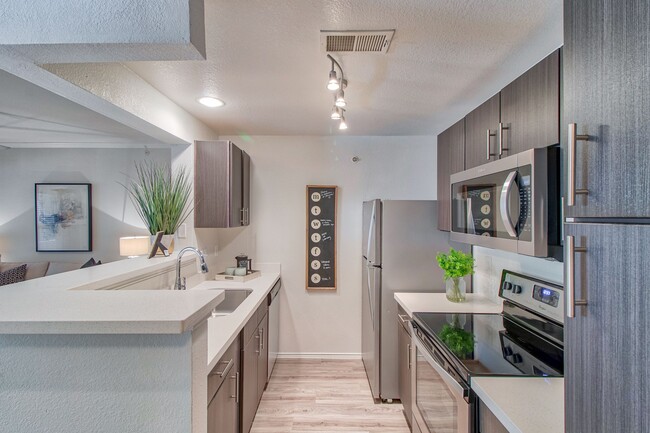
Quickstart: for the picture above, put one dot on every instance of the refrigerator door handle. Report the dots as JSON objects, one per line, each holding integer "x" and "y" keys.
{"x": 371, "y": 228}
{"x": 370, "y": 300}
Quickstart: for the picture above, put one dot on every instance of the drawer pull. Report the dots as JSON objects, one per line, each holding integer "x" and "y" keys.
{"x": 223, "y": 372}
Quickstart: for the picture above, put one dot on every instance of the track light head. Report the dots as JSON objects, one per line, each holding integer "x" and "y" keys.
{"x": 340, "y": 99}
{"x": 336, "y": 113}
{"x": 343, "y": 125}
{"x": 333, "y": 83}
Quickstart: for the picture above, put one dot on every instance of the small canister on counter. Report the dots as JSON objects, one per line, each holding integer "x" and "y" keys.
{"x": 244, "y": 262}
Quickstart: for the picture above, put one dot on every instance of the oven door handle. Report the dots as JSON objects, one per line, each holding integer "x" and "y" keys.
{"x": 511, "y": 180}
{"x": 451, "y": 383}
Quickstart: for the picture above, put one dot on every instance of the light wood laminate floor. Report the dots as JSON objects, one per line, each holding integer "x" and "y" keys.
{"x": 324, "y": 396}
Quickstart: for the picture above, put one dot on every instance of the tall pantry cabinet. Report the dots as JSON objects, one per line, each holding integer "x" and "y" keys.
{"x": 606, "y": 148}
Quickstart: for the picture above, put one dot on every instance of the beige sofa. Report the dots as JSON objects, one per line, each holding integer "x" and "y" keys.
{"x": 40, "y": 269}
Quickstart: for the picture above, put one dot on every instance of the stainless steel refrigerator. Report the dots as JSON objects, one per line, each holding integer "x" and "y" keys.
{"x": 400, "y": 243}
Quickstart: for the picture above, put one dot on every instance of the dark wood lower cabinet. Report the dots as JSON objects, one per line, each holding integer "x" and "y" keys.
{"x": 404, "y": 366}
{"x": 255, "y": 361}
{"x": 250, "y": 356}
{"x": 223, "y": 406}
{"x": 263, "y": 362}
{"x": 488, "y": 422}
{"x": 607, "y": 343}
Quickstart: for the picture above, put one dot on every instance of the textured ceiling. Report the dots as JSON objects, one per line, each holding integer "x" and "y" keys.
{"x": 264, "y": 59}
{"x": 31, "y": 116}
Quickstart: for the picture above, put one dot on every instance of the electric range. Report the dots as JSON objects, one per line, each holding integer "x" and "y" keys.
{"x": 526, "y": 339}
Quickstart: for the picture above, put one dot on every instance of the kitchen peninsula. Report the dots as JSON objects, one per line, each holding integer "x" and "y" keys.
{"x": 101, "y": 350}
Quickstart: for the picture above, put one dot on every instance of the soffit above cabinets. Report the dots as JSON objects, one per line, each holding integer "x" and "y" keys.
{"x": 31, "y": 116}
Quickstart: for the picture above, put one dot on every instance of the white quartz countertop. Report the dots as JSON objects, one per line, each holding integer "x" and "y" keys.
{"x": 438, "y": 303}
{"x": 71, "y": 303}
{"x": 524, "y": 404}
{"x": 223, "y": 330}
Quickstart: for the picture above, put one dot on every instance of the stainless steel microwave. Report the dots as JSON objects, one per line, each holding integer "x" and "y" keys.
{"x": 512, "y": 204}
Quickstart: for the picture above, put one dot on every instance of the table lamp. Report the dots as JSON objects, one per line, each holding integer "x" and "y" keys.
{"x": 134, "y": 246}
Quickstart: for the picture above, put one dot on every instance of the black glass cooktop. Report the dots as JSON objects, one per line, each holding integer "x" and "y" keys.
{"x": 489, "y": 344}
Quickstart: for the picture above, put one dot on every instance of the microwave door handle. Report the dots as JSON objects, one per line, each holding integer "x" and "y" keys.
{"x": 505, "y": 203}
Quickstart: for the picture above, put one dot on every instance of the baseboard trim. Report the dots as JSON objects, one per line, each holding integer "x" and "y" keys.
{"x": 318, "y": 355}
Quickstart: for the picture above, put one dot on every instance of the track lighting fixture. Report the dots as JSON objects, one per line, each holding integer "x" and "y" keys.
{"x": 336, "y": 84}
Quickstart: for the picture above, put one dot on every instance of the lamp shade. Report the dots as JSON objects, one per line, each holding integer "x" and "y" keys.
{"x": 133, "y": 246}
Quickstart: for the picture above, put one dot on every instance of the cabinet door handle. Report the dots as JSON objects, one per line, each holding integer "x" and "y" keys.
{"x": 500, "y": 137}
{"x": 571, "y": 159}
{"x": 488, "y": 135}
{"x": 242, "y": 220}
{"x": 570, "y": 273}
{"x": 258, "y": 350}
{"x": 234, "y": 377}
{"x": 247, "y": 217}
{"x": 408, "y": 358}
{"x": 237, "y": 388}
{"x": 404, "y": 318}
{"x": 261, "y": 339}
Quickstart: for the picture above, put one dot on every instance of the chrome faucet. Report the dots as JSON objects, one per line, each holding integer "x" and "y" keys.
{"x": 180, "y": 282}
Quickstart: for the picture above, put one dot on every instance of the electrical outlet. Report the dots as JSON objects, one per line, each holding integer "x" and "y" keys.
{"x": 182, "y": 231}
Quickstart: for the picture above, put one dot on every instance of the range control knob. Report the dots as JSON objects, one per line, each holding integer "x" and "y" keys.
{"x": 516, "y": 288}
{"x": 516, "y": 358}
{"x": 507, "y": 351}
{"x": 507, "y": 285}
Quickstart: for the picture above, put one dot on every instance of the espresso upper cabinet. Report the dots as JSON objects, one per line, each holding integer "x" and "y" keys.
{"x": 606, "y": 94}
{"x": 451, "y": 159}
{"x": 481, "y": 133}
{"x": 221, "y": 185}
{"x": 530, "y": 108}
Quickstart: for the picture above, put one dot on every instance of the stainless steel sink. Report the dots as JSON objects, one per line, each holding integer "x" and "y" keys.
{"x": 233, "y": 299}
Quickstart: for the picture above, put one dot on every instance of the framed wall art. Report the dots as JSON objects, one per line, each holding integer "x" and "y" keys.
{"x": 321, "y": 237}
{"x": 63, "y": 213}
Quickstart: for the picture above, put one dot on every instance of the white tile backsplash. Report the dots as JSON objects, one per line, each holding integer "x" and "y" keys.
{"x": 490, "y": 263}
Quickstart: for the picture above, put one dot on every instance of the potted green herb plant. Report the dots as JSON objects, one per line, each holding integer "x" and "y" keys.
{"x": 456, "y": 265}
{"x": 161, "y": 197}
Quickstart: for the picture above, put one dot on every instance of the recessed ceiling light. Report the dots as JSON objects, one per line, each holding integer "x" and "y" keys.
{"x": 211, "y": 102}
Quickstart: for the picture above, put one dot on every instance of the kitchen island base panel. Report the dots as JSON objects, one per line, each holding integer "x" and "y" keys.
{"x": 98, "y": 383}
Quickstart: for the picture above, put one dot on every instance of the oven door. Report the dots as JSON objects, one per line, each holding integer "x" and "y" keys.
{"x": 442, "y": 402}
{"x": 503, "y": 204}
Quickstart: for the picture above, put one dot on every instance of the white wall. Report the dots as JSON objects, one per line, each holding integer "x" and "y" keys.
{"x": 113, "y": 213}
{"x": 490, "y": 263}
{"x": 389, "y": 167}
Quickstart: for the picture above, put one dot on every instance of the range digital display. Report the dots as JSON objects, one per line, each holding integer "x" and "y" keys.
{"x": 548, "y": 296}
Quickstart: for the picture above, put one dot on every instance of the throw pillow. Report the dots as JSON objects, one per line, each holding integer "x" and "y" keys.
{"x": 14, "y": 275}
{"x": 91, "y": 263}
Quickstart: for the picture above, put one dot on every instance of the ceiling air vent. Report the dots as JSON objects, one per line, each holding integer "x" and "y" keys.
{"x": 356, "y": 41}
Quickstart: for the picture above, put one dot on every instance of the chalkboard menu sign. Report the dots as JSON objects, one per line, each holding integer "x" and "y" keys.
{"x": 321, "y": 237}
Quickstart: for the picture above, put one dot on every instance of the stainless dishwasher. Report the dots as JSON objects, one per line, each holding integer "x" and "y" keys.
{"x": 274, "y": 325}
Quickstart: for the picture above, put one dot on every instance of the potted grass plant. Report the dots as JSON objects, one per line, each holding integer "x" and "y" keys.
{"x": 457, "y": 265}
{"x": 161, "y": 197}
